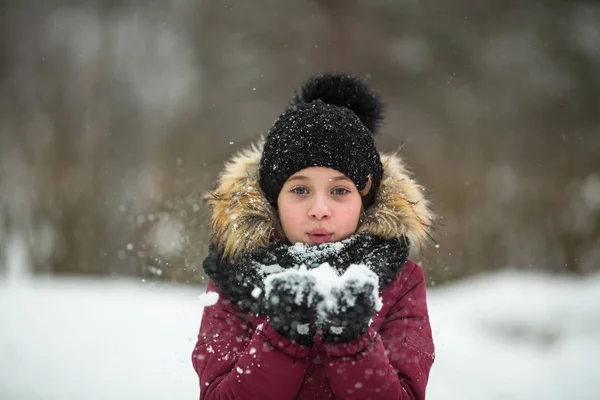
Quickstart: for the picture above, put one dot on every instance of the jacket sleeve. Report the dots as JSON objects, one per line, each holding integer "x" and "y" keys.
{"x": 234, "y": 361}
{"x": 393, "y": 363}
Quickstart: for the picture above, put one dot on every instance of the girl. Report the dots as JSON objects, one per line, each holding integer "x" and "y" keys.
{"x": 316, "y": 191}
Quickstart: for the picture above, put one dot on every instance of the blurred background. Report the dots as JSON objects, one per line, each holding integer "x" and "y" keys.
{"x": 116, "y": 117}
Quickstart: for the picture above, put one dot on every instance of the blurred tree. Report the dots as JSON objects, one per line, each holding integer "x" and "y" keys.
{"x": 117, "y": 115}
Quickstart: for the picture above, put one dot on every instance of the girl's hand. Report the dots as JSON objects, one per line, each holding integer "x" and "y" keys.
{"x": 291, "y": 299}
{"x": 351, "y": 313}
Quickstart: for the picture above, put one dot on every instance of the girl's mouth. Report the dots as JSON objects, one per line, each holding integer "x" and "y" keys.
{"x": 320, "y": 236}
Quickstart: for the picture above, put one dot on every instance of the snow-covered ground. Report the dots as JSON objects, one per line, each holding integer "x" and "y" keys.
{"x": 504, "y": 336}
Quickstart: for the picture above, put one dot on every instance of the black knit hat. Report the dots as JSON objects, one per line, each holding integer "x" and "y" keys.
{"x": 329, "y": 124}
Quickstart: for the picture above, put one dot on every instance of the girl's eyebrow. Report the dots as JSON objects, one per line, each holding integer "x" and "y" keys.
{"x": 297, "y": 178}
{"x": 340, "y": 178}
{"x": 304, "y": 178}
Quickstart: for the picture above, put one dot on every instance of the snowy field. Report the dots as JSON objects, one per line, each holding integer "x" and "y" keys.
{"x": 504, "y": 336}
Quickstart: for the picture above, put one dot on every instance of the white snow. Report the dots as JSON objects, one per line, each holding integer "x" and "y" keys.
{"x": 256, "y": 292}
{"x": 208, "y": 299}
{"x": 309, "y": 253}
{"x": 337, "y": 330}
{"x": 328, "y": 280}
{"x": 265, "y": 270}
{"x": 303, "y": 329}
{"x": 505, "y": 336}
{"x": 516, "y": 336}
{"x": 325, "y": 280}
{"x": 97, "y": 339}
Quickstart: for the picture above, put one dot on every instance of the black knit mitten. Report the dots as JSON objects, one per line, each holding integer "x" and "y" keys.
{"x": 290, "y": 305}
{"x": 349, "y": 317}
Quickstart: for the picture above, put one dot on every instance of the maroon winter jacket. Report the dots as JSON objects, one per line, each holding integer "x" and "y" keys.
{"x": 240, "y": 356}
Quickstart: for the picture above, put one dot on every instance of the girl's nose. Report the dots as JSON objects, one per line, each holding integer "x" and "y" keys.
{"x": 319, "y": 208}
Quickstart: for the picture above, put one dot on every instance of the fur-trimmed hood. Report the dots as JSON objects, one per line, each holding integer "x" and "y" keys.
{"x": 243, "y": 221}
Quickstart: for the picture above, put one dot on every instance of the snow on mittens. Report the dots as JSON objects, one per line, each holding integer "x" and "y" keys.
{"x": 344, "y": 304}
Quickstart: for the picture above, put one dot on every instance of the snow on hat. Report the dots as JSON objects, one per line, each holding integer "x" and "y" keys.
{"x": 329, "y": 124}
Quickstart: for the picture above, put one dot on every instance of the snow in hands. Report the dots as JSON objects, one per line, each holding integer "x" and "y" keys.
{"x": 327, "y": 292}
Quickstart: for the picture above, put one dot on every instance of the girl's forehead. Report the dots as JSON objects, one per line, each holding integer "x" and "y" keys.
{"x": 318, "y": 173}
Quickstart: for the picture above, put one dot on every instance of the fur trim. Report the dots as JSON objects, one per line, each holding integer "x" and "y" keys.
{"x": 400, "y": 208}
{"x": 243, "y": 221}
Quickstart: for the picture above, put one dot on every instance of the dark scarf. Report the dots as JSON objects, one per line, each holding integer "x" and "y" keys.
{"x": 238, "y": 279}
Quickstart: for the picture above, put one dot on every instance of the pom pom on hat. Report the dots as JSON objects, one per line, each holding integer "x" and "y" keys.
{"x": 329, "y": 124}
{"x": 345, "y": 91}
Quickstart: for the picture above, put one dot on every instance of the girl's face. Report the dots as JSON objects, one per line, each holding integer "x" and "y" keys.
{"x": 318, "y": 205}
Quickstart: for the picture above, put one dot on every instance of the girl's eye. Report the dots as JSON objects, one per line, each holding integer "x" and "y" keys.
{"x": 299, "y": 190}
{"x": 340, "y": 191}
